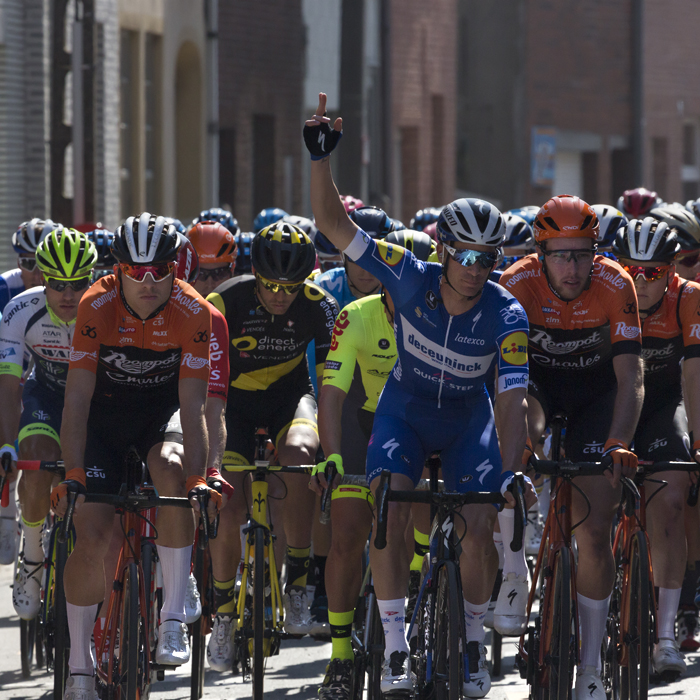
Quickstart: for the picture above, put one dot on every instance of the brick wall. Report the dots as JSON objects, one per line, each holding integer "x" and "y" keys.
{"x": 261, "y": 63}
{"x": 423, "y": 64}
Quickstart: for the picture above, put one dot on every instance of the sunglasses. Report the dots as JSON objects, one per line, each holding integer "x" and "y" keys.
{"x": 60, "y": 285}
{"x": 138, "y": 272}
{"x": 651, "y": 274}
{"x": 275, "y": 287}
{"x": 216, "y": 273}
{"x": 562, "y": 257}
{"x": 466, "y": 258}
{"x": 689, "y": 260}
{"x": 28, "y": 264}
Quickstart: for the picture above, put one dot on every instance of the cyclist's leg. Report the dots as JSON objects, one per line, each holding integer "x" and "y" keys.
{"x": 40, "y": 425}
{"x": 662, "y": 436}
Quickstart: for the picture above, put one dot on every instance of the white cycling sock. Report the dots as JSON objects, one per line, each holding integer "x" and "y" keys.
{"x": 175, "y": 564}
{"x": 10, "y": 510}
{"x": 81, "y": 620}
{"x": 33, "y": 551}
{"x": 474, "y": 619}
{"x": 392, "y": 613}
{"x": 513, "y": 562}
{"x": 669, "y": 598}
{"x": 498, "y": 541}
{"x": 592, "y": 615}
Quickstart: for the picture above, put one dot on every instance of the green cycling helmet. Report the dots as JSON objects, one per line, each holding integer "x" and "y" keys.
{"x": 66, "y": 254}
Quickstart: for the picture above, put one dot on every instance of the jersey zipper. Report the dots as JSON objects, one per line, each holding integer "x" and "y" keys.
{"x": 444, "y": 348}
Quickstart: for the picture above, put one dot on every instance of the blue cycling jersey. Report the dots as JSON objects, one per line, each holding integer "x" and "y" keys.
{"x": 335, "y": 282}
{"x": 10, "y": 286}
{"x": 441, "y": 357}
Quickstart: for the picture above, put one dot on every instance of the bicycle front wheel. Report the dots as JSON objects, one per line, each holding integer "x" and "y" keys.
{"x": 448, "y": 612}
{"x": 561, "y": 651}
{"x": 199, "y": 628}
{"x": 635, "y": 678}
{"x": 27, "y": 637}
{"x": 258, "y": 613}
{"x": 61, "y": 637}
{"x": 129, "y": 637}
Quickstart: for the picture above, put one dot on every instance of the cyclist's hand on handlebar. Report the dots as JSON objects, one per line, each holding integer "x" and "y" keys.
{"x": 624, "y": 462}
{"x": 196, "y": 485}
{"x": 530, "y": 493}
{"x": 12, "y": 471}
{"x": 216, "y": 481}
{"x": 75, "y": 482}
{"x": 318, "y": 475}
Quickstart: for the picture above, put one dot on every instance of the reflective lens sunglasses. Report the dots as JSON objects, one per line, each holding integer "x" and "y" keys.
{"x": 216, "y": 273}
{"x": 60, "y": 285}
{"x": 651, "y": 274}
{"x": 275, "y": 287}
{"x": 562, "y": 257}
{"x": 689, "y": 260}
{"x": 466, "y": 258}
{"x": 28, "y": 264}
{"x": 138, "y": 272}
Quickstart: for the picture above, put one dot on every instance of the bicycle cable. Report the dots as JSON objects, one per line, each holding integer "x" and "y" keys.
{"x": 588, "y": 506}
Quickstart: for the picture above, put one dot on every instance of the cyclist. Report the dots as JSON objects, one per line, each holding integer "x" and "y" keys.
{"x": 585, "y": 343}
{"x": 351, "y": 203}
{"x": 669, "y": 307}
{"x": 351, "y": 282}
{"x": 363, "y": 353}
{"x": 271, "y": 317}
{"x": 610, "y": 221}
{"x": 40, "y": 322}
{"x": 452, "y": 328}
{"x": 423, "y": 218}
{"x": 138, "y": 376}
{"x": 13, "y": 282}
{"x": 518, "y": 239}
{"x": 267, "y": 217}
{"x": 244, "y": 242}
{"x": 687, "y": 229}
{"x": 102, "y": 240}
{"x": 220, "y": 216}
{"x": 638, "y": 202}
{"x": 216, "y": 251}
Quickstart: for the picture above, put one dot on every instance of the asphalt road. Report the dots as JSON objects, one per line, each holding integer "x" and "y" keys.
{"x": 296, "y": 672}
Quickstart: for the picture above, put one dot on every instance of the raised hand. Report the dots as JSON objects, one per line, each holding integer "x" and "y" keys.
{"x": 320, "y": 139}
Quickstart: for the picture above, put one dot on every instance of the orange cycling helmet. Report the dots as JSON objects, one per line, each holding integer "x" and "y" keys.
{"x": 213, "y": 242}
{"x": 565, "y": 216}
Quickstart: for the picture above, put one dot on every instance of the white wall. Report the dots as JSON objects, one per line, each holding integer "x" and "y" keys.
{"x": 568, "y": 175}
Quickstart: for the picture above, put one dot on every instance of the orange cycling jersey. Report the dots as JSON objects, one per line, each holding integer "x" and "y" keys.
{"x": 149, "y": 356}
{"x": 582, "y": 334}
{"x": 670, "y": 334}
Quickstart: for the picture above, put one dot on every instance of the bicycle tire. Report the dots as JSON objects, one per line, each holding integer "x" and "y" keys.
{"x": 448, "y": 685}
{"x": 635, "y": 684}
{"x": 258, "y": 613}
{"x": 150, "y": 586}
{"x": 27, "y": 636}
{"x": 611, "y": 641}
{"x": 375, "y": 658}
{"x": 496, "y": 650}
{"x": 198, "y": 631}
{"x": 128, "y": 662}
{"x": 561, "y": 652}
{"x": 61, "y": 637}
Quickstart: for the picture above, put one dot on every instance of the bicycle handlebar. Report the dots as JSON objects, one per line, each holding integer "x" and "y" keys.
{"x": 385, "y": 494}
{"x": 331, "y": 473}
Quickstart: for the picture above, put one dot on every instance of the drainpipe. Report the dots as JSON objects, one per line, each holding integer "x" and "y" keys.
{"x": 638, "y": 92}
{"x": 211, "y": 18}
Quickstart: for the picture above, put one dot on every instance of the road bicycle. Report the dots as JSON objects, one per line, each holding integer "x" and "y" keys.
{"x": 440, "y": 662}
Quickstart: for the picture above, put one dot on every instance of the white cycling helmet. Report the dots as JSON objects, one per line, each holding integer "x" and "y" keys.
{"x": 471, "y": 221}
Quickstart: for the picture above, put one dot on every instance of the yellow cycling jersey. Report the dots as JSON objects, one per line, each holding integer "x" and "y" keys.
{"x": 363, "y": 351}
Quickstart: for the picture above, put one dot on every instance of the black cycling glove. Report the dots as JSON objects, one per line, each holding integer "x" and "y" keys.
{"x": 321, "y": 139}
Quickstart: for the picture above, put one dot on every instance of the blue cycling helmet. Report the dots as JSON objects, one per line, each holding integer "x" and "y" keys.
{"x": 527, "y": 213}
{"x": 373, "y": 221}
{"x": 221, "y": 216}
{"x": 267, "y": 217}
{"x": 518, "y": 232}
{"x": 610, "y": 221}
{"x": 179, "y": 226}
{"x": 102, "y": 240}
{"x": 244, "y": 241}
{"x": 423, "y": 218}
{"x": 324, "y": 246}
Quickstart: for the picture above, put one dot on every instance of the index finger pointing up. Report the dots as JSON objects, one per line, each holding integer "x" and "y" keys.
{"x": 321, "y": 110}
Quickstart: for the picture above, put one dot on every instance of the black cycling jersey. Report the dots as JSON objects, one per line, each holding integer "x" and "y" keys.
{"x": 269, "y": 352}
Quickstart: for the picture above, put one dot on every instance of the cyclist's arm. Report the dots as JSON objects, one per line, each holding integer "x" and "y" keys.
{"x": 330, "y": 410}
{"x": 11, "y": 402}
{"x": 511, "y": 424}
{"x": 80, "y": 386}
{"x": 329, "y": 211}
{"x": 216, "y": 431}
{"x": 193, "y": 397}
{"x": 630, "y": 396}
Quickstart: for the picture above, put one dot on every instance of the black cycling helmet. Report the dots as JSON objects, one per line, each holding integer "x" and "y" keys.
{"x": 244, "y": 243}
{"x": 283, "y": 252}
{"x": 102, "y": 240}
{"x": 679, "y": 218}
{"x": 146, "y": 240}
{"x": 646, "y": 240}
{"x": 419, "y": 243}
{"x": 423, "y": 218}
{"x": 375, "y": 222}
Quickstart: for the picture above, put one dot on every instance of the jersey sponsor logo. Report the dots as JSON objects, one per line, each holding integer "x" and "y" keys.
{"x": 549, "y": 310}
{"x": 194, "y": 362}
{"x": 333, "y": 365}
{"x": 341, "y": 323}
{"x": 201, "y": 337}
{"x": 514, "y": 348}
{"x": 126, "y": 340}
{"x": 443, "y": 358}
{"x": 469, "y": 341}
{"x": 160, "y": 333}
{"x": 314, "y": 292}
{"x": 96, "y": 473}
{"x": 545, "y": 341}
{"x": 512, "y": 381}
{"x": 392, "y": 256}
{"x": 593, "y": 448}
{"x": 76, "y": 355}
{"x": 390, "y": 446}
{"x": 431, "y": 300}
{"x": 384, "y": 344}
{"x": 120, "y": 361}
{"x": 104, "y": 298}
{"x": 7, "y": 352}
{"x": 246, "y": 342}
{"x": 695, "y": 330}
{"x": 483, "y": 469}
{"x": 579, "y": 363}
{"x": 51, "y": 352}
{"x": 616, "y": 280}
{"x": 190, "y": 303}
{"x": 89, "y": 331}
{"x": 159, "y": 321}
{"x": 124, "y": 330}
{"x": 423, "y": 316}
{"x": 476, "y": 320}
{"x": 627, "y": 331}
{"x": 41, "y": 415}
{"x": 512, "y": 314}
{"x": 655, "y": 444}
{"x": 658, "y": 353}
{"x": 14, "y": 310}
{"x": 583, "y": 312}
{"x": 631, "y": 308}
{"x": 385, "y": 357}
{"x": 525, "y": 274}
